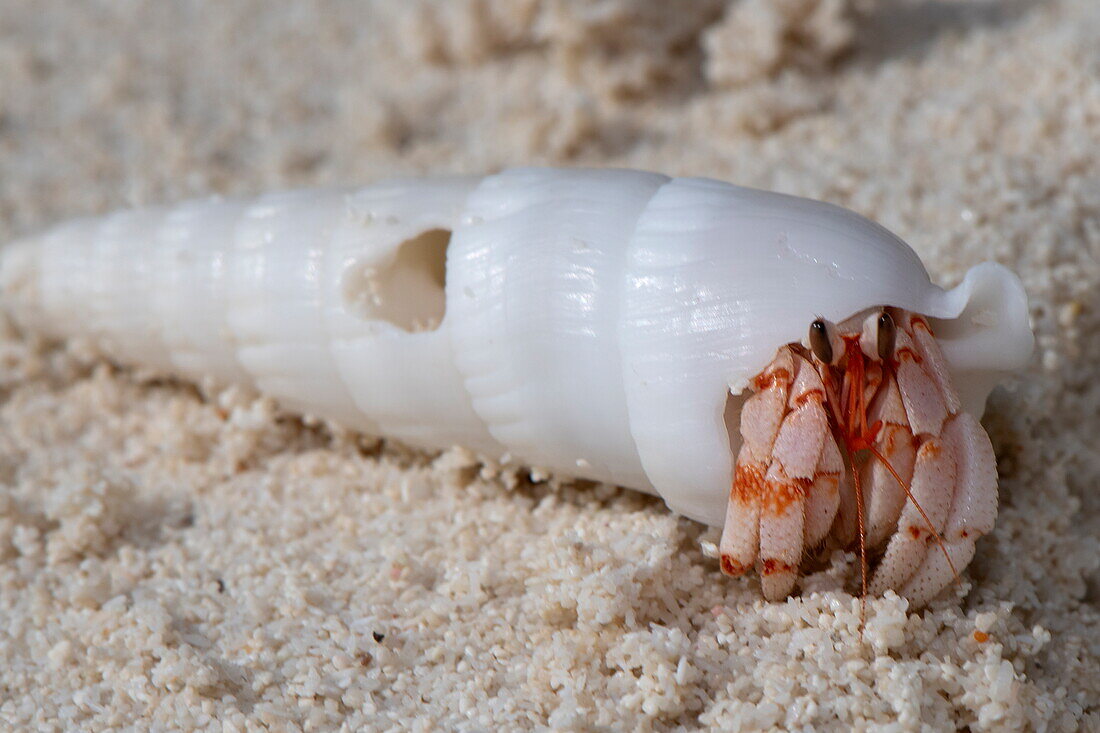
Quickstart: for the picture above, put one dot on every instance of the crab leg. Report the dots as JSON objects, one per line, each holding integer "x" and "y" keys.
{"x": 973, "y": 510}
{"x": 793, "y": 472}
{"x": 933, "y": 480}
{"x": 931, "y": 493}
{"x": 785, "y": 497}
{"x": 895, "y": 443}
{"x": 823, "y": 498}
{"x": 954, "y": 476}
{"x": 974, "y": 507}
{"x": 761, "y": 416}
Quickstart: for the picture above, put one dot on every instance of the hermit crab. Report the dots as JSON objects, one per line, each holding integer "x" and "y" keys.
{"x": 615, "y": 325}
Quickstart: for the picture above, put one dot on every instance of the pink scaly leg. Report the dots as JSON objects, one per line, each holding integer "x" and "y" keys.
{"x": 761, "y": 416}
{"x": 785, "y": 488}
{"x": 823, "y": 498}
{"x": 954, "y": 476}
{"x": 793, "y": 470}
{"x": 894, "y": 442}
{"x": 974, "y": 506}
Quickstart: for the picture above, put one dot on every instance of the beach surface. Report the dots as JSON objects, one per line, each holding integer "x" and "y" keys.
{"x": 174, "y": 556}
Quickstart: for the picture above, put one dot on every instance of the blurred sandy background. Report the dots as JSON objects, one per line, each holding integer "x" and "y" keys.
{"x": 170, "y": 559}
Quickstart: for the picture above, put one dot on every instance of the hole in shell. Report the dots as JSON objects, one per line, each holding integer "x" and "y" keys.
{"x": 407, "y": 289}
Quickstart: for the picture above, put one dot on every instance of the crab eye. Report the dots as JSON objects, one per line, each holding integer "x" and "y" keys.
{"x": 821, "y": 342}
{"x": 878, "y": 336}
{"x": 885, "y": 335}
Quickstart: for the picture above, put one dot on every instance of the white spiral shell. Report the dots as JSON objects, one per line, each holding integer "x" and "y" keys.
{"x": 592, "y": 322}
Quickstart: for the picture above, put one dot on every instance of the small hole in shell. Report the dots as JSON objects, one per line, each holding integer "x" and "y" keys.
{"x": 406, "y": 289}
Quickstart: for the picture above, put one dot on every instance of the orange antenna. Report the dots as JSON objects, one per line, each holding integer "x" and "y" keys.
{"x": 862, "y": 542}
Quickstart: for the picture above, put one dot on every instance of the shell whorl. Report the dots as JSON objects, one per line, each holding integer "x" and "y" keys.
{"x": 536, "y": 293}
{"x": 591, "y": 322}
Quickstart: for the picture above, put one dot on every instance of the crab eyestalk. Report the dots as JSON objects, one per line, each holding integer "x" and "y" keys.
{"x": 879, "y": 386}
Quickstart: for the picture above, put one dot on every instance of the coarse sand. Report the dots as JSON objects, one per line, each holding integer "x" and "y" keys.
{"x": 173, "y": 557}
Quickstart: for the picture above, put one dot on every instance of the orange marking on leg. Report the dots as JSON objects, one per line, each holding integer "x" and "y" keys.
{"x": 772, "y": 565}
{"x": 931, "y": 449}
{"x": 779, "y": 496}
{"x": 891, "y": 445}
{"x": 901, "y": 354}
{"x": 815, "y": 395}
{"x": 770, "y": 379}
{"x": 732, "y": 567}
{"x": 748, "y": 483}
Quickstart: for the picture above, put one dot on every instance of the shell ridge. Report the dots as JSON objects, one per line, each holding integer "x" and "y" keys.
{"x": 541, "y": 309}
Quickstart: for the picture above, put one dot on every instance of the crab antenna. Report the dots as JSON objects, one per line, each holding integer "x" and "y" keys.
{"x": 862, "y": 542}
{"x": 856, "y": 421}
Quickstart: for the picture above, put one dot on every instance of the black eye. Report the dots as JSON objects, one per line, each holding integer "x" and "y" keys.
{"x": 819, "y": 341}
{"x": 886, "y": 335}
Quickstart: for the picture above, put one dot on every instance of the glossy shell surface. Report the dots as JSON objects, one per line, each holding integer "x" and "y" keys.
{"x": 594, "y": 323}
